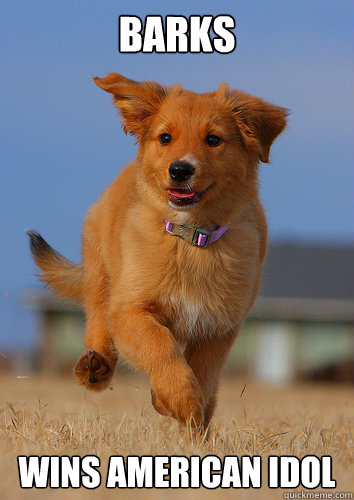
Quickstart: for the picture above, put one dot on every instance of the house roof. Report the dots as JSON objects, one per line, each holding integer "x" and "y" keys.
{"x": 307, "y": 282}
{"x": 304, "y": 271}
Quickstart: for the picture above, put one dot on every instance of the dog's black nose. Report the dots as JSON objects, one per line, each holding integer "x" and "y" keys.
{"x": 181, "y": 171}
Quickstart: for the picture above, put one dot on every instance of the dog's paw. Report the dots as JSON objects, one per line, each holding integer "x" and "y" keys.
{"x": 184, "y": 402}
{"x": 94, "y": 370}
{"x": 157, "y": 404}
{"x": 189, "y": 408}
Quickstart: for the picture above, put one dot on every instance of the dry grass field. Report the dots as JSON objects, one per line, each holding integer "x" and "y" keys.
{"x": 53, "y": 416}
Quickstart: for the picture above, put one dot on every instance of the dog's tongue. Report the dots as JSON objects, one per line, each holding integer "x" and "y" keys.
{"x": 181, "y": 194}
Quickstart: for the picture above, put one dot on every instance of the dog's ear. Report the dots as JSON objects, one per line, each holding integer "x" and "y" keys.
{"x": 259, "y": 121}
{"x": 136, "y": 101}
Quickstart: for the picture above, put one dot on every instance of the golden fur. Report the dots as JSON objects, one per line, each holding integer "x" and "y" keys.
{"x": 172, "y": 309}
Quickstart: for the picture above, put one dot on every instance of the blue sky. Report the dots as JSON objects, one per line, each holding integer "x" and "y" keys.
{"x": 61, "y": 142}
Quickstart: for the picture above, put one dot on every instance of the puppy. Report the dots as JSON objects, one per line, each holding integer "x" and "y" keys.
{"x": 173, "y": 249}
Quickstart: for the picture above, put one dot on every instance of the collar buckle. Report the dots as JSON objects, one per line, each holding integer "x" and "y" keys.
{"x": 201, "y": 237}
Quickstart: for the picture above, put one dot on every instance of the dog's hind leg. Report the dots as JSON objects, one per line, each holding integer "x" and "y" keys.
{"x": 96, "y": 365}
{"x": 206, "y": 359}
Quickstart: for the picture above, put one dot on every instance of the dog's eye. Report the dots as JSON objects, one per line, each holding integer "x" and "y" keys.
{"x": 212, "y": 140}
{"x": 165, "y": 138}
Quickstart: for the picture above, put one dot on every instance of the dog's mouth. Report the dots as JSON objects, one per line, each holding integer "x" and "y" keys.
{"x": 183, "y": 197}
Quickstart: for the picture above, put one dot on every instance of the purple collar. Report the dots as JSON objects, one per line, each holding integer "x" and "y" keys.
{"x": 194, "y": 235}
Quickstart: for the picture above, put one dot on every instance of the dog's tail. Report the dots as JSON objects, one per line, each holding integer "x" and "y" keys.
{"x": 63, "y": 276}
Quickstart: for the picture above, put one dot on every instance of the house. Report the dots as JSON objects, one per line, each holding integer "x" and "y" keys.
{"x": 302, "y": 322}
{"x": 300, "y": 326}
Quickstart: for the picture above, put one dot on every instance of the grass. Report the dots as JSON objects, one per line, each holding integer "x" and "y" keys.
{"x": 52, "y": 416}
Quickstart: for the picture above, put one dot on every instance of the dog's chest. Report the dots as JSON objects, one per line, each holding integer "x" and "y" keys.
{"x": 199, "y": 294}
{"x": 192, "y": 317}
{"x": 186, "y": 317}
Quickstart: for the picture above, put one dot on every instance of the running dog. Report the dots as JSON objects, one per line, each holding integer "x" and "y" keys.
{"x": 173, "y": 249}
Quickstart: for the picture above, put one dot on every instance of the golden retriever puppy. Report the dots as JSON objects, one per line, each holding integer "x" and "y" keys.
{"x": 173, "y": 249}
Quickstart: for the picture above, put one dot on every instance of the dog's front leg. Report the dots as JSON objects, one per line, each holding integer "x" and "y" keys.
{"x": 96, "y": 365}
{"x": 206, "y": 359}
{"x": 150, "y": 346}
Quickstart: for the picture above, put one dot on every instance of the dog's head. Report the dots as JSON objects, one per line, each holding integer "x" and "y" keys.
{"x": 198, "y": 153}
